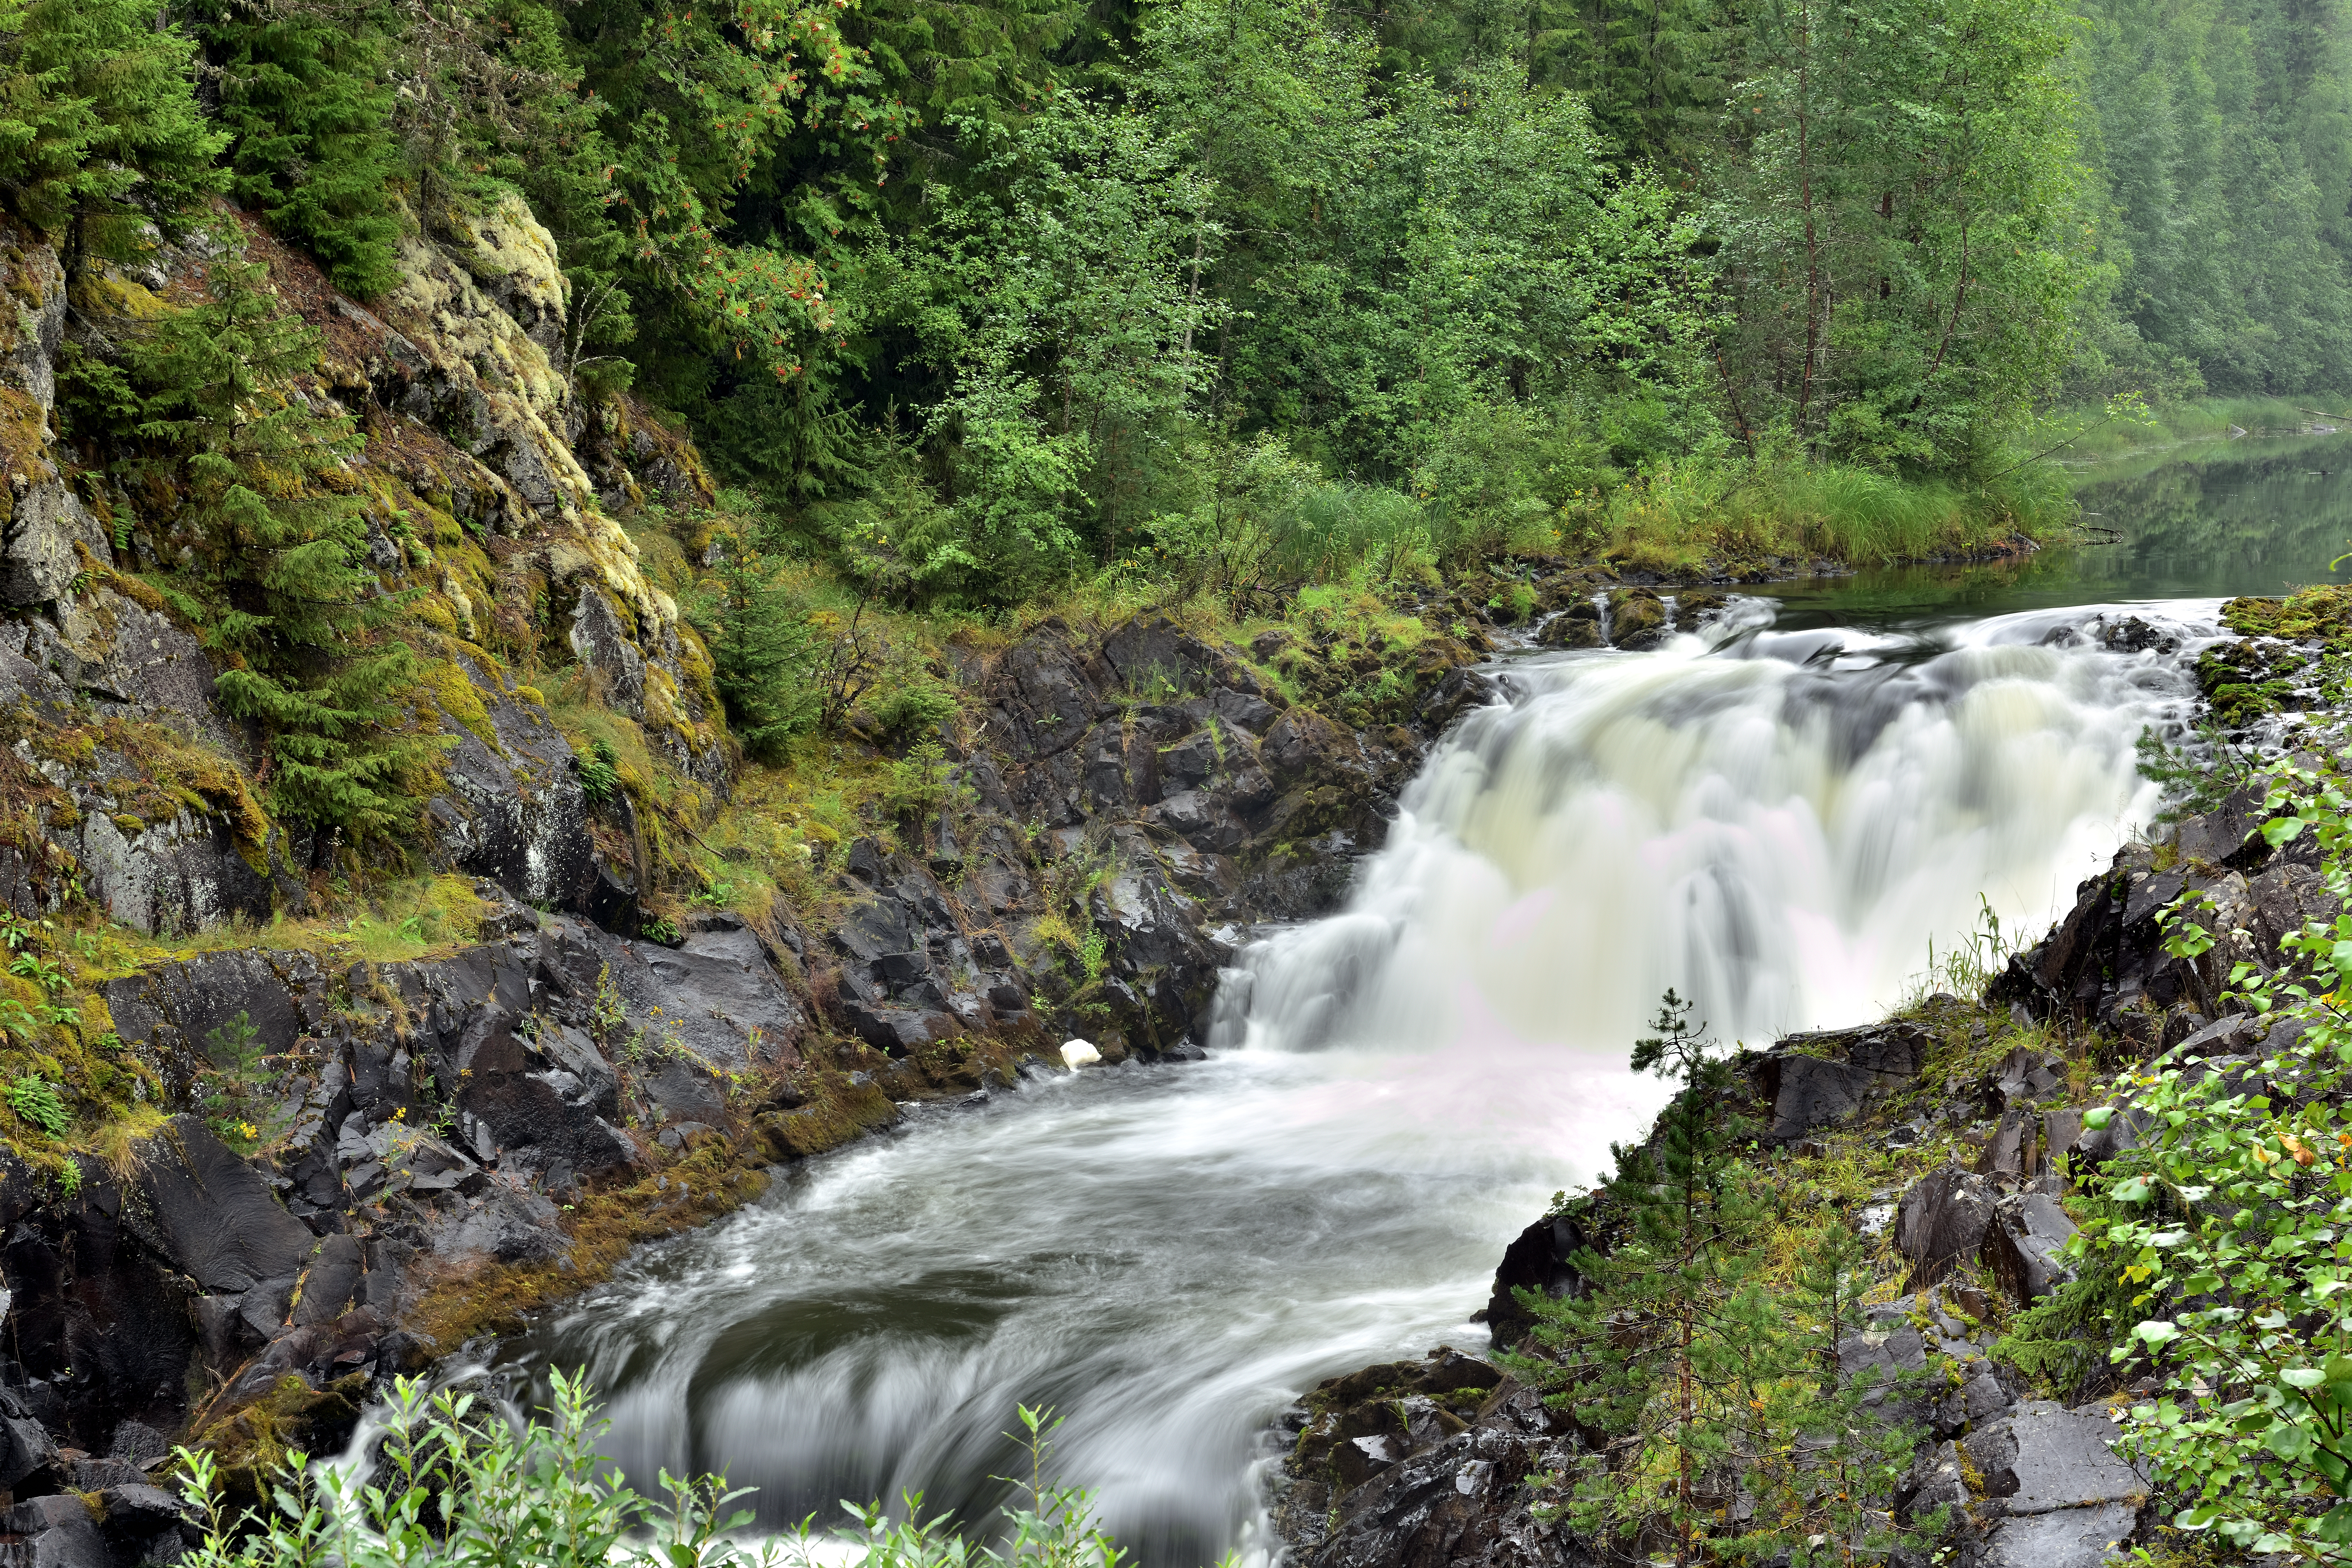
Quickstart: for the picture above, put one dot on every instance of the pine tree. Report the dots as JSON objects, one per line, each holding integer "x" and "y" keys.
{"x": 762, "y": 645}
{"x": 315, "y": 152}
{"x": 277, "y": 548}
{"x": 99, "y": 128}
{"x": 1670, "y": 1344}
{"x": 1833, "y": 1447}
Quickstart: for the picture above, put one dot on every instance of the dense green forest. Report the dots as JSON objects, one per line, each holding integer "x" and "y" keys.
{"x": 981, "y": 295}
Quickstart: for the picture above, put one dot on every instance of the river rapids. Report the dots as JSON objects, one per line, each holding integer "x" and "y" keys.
{"x": 1776, "y": 823}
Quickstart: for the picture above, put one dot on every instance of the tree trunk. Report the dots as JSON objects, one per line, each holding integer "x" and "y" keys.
{"x": 1805, "y": 202}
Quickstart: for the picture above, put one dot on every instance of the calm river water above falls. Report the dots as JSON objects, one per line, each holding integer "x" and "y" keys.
{"x": 1776, "y": 820}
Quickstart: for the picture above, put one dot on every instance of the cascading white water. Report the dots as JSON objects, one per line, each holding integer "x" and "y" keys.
{"x": 1775, "y": 823}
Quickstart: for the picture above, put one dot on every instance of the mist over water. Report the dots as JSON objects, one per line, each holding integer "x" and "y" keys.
{"x": 1774, "y": 822}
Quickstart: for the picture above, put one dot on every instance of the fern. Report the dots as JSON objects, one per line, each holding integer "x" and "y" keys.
{"x": 35, "y": 1101}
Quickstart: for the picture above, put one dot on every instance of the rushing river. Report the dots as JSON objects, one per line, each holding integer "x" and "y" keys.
{"x": 1776, "y": 817}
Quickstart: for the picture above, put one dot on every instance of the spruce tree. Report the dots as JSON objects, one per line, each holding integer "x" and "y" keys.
{"x": 277, "y": 547}
{"x": 760, "y": 646}
{"x": 1666, "y": 1350}
{"x": 99, "y": 128}
{"x": 315, "y": 152}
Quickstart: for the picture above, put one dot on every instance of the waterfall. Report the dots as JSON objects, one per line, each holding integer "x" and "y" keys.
{"x": 1774, "y": 822}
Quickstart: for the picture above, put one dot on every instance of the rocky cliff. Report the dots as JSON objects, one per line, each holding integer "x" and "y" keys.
{"x": 299, "y": 1146}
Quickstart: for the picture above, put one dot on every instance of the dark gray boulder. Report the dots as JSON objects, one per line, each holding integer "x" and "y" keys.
{"x": 2072, "y": 1538}
{"x": 55, "y": 1533}
{"x": 1944, "y": 1218}
{"x": 2025, "y": 1247}
{"x": 221, "y": 1223}
{"x": 1816, "y": 1080}
{"x": 1536, "y": 1260}
{"x": 2044, "y": 1457}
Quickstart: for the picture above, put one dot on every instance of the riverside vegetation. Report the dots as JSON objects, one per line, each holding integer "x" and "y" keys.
{"x": 599, "y": 594}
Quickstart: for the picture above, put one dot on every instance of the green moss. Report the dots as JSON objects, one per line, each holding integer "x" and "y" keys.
{"x": 250, "y": 1443}
{"x": 455, "y": 693}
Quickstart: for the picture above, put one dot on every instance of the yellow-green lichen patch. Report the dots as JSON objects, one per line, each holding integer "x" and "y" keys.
{"x": 458, "y": 698}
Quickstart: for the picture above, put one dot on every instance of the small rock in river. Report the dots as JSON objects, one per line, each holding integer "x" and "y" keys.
{"x": 1076, "y": 1054}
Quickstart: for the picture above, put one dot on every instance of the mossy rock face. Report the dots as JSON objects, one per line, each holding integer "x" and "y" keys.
{"x": 843, "y": 1107}
{"x": 1637, "y": 618}
{"x": 2316, "y": 613}
{"x": 251, "y": 1443}
{"x": 2243, "y": 681}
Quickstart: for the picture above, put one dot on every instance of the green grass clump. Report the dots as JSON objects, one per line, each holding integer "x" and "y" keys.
{"x": 1727, "y": 513}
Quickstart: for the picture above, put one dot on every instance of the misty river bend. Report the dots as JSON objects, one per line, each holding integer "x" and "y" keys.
{"x": 1775, "y": 816}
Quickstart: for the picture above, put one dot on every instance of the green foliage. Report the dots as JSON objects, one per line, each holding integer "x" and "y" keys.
{"x": 909, "y": 699}
{"x": 1655, "y": 1348}
{"x": 600, "y": 775}
{"x": 463, "y": 1487}
{"x": 1240, "y": 538}
{"x": 1733, "y": 1428}
{"x": 459, "y": 1486}
{"x": 35, "y": 1101}
{"x": 278, "y": 547}
{"x": 2203, "y": 121}
{"x": 2227, "y": 1231}
{"x": 916, "y": 784}
{"x": 2192, "y": 782}
{"x": 761, "y": 644}
{"x": 1901, "y": 226}
{"x": 97, "y": 107}
{"x": 314, "y": 151}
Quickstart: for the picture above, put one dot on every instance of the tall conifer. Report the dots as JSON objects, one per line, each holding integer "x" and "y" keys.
{"x": 315, "y": 152}
{"x": 279, "y": 546}
{"x": 99, "y": 128}
{"x": 1667, "y": 1349}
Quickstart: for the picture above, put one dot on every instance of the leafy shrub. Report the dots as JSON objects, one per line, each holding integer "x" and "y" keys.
{"x": 35, "y": 1101}
{"x": 461, "y": 1487}
{"x": 909, "y": 699}
{"x": 917, "y": 784}
{"x": 2225, "y": 1225}
{"x": 600, "y": 774}
{"x": 762, "y": 645}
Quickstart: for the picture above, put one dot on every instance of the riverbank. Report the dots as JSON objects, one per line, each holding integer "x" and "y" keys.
{"x": 2087, "y": 437}
{"x": 585, "y": 968}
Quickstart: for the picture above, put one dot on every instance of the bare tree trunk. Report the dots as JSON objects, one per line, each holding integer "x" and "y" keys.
{"x": 1805, "y": 202}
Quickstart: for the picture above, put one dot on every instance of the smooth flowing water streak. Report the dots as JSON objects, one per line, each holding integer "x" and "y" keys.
{"x": 1774, "y": 822}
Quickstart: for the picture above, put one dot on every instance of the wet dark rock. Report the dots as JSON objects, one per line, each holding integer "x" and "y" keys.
{"x": 56, "y": 1532}
{"x": 514, "y": 811}
{"x": 1637, "y": 618}
{"x": 1818, "y": 1080}
{"x": 1570, "y": 630}
{"x": 220, "y": 1223}
{"x": 1943, "y": 1220}
{"x": 1536, "y": 1260}
{"x": 2045, "y": 1458}
{"x": 2025, "y": 1246}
